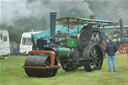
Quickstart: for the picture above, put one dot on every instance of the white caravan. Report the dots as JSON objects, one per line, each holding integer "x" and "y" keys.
{"x": 26, "y": 42}
{"x": 4, "y": 43}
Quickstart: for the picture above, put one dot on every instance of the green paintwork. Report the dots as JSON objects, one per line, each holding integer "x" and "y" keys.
{"x": 98, "y": 22}
{"x": 71, "y": 43}
{"x": 65, "y": 52}
{"x": 82, "y": 21}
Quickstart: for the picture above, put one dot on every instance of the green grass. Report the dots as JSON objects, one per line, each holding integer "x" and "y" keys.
{"x": 12, "y": 73}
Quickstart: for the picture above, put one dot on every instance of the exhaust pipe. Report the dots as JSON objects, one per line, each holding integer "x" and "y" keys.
{"x": 121, "y": 27}
{"x": 122, "y": 37}
{"x": 52, "y": 25}
{"x": 92, "y": 17}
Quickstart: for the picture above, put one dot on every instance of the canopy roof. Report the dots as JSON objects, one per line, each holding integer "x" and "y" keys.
{"x": 77, "y": 22}
{"x": 82, "y": 21}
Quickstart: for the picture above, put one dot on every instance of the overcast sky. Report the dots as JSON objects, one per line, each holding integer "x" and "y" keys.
{"x": 10, "y": 10}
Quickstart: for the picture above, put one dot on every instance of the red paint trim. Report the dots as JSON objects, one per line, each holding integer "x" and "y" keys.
{"x": 38, "y": 67}
{"x": 123, "y": 48}
{"x": 104, "y": 44}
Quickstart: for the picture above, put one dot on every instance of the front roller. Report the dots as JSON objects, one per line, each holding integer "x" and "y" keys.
{"x": 40, "y": 66}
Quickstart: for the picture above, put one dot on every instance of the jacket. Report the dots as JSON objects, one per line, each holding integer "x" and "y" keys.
{"x": 111, "y": 49}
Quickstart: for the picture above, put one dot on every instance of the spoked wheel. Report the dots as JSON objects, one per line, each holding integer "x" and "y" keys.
{"x": 123, "y": 48}
{"x": 95, "y": 53}
{"x": 39, "y": 61}
{"x": 68, "y": 65}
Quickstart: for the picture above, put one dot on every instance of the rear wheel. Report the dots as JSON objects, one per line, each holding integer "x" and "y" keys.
{"x": 95, "y": 53}
{"x": 68, "y": 65}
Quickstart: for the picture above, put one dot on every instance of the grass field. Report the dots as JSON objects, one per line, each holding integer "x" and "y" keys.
{"x": 12, "y": 73}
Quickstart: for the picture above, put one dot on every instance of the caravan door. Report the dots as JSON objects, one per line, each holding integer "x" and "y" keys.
{"x": 26, "y": 43}
{"x": 4, "y": 43}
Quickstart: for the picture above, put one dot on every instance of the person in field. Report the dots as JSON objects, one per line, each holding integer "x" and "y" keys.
{"x": 111, "y": 49}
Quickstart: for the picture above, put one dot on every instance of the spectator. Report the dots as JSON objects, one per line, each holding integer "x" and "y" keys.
{"x": 111, "y": 50}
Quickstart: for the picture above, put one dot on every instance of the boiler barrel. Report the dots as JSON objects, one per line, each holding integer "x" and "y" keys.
{"x": 65, "y": 52}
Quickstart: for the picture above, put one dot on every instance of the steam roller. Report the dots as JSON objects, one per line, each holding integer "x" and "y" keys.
{"x": 72, "y": 48}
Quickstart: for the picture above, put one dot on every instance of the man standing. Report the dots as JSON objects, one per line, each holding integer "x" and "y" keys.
{"x": 111, "y": 50}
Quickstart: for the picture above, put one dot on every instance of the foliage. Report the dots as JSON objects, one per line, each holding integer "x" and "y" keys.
{"x": 23, "y": 25}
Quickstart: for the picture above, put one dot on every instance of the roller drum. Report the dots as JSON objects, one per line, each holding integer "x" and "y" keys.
{"x": 39, "y": 61}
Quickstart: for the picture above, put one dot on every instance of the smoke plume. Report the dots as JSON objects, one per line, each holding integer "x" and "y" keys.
{"x": 12, "y": 10}
{"x": 111, "y": 9}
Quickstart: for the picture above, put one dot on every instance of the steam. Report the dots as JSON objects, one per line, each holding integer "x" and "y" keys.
{"x": 119, "y": 10}
{"x": 113, "y": 10}
{"x": 12, "y": 10}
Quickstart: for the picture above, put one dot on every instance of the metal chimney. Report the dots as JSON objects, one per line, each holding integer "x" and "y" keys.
{"x": 92, "y": 17}
{"x": 122, "y": 37}
{"x": 121, "y": 27}
{"x": 52, "y": 24}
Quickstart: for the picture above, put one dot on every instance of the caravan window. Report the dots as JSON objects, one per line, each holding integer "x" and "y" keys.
{"x": 5, "y": 38}
{"x": 27, "y": 41}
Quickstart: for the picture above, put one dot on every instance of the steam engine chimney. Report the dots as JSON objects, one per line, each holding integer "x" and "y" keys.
{"x": 52, "y": 24}
{"x": 92, "y": 17}
{"x": 121, "y": 27}
{"x": 123, "y": 38}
